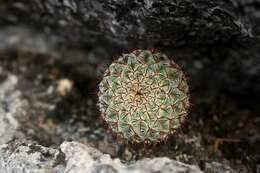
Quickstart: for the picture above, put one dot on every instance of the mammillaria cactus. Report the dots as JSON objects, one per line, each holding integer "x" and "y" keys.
{"x": 144, "y": 97}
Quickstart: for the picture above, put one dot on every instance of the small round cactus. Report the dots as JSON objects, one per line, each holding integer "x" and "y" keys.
{"x": 144, "y": 97}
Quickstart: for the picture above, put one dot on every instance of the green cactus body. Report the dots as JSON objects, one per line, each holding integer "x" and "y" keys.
{"x": 144, "y": 96}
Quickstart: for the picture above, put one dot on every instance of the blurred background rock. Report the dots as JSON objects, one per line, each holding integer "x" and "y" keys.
{"x": 53, "y": 54}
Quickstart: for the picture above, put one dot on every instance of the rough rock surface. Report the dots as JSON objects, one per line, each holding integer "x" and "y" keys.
{"x": 216, "y": 42}
{"x": 21, "y": 157}
{"x": 77, "y": 158}
{"x": 82, "y": 158}
{"x": 11, "y": 107}
{"x": 74, "y": 157}
{"x": 218, "y": 167}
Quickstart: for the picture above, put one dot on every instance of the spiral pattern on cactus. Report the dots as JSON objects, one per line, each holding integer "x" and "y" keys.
{"x": 144, "y": 96}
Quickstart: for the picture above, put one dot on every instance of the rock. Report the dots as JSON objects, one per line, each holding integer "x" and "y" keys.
{"x": 25, "y": 39}
{"x": 28, "y": 157}
{"x": 258, "y": 168}
{"x": 64, "y": 87}
{"x": 218, "y": 168}
{"x": 82, "y": 158}
{"x": 216, "y": 42}
{"x": 118, "y": 22}
{"x": 10, "y": 107}
{"x": 21, "y": 157}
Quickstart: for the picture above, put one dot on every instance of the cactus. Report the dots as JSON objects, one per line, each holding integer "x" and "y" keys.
{"x": 144, "y": 97}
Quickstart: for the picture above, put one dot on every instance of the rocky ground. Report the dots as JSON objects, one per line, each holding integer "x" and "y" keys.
{"x": 53, "y": 54}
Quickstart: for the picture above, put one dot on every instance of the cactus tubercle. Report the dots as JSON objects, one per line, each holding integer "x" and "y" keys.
{"x": 144, "y": 96}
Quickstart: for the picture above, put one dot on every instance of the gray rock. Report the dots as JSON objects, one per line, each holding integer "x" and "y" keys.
{"x": 24, "y": 39}
{"x": 74, "y": 157}
{"x": 82, "y": 158}
{"x": 10, "y": 107}
{"x": 29, "y": 158}
{"x": 216, "y": 42}
{"x": 217, "y": 167}
{"x": 118, "y": 22}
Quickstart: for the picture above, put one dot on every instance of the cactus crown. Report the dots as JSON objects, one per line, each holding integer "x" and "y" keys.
{"x": 144, "y": 96}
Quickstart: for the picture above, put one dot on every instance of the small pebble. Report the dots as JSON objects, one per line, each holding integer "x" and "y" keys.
{"x": 64, "y": 87}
